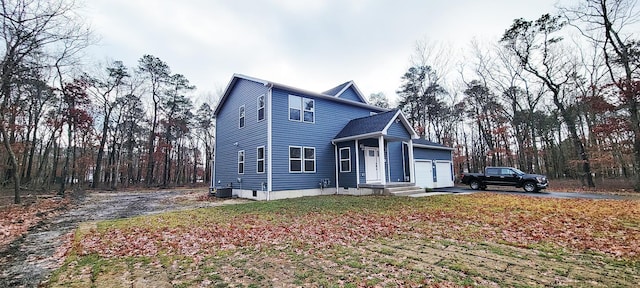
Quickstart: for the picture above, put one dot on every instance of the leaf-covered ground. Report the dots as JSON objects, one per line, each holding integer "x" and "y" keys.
{"x": 480, "y": 239}
{"x": 16, "y": 219}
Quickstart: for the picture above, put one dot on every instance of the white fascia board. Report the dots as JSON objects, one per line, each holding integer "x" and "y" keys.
{"x": 432, "y": 147}
{"x": 227, "y": 89}
{"x": 405, "y": 122}
{"x": 357, "y": 137}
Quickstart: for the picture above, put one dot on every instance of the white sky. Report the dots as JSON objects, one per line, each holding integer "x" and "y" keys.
{"x": 309, "y": 44}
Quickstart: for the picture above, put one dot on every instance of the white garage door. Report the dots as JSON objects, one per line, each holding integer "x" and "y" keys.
{"x": 424, "y": 173}
{"x": 444, "y": 175}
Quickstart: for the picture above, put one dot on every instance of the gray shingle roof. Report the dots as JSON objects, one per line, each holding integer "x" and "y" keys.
{"x": 238, "y": 77}
{"x": 365, "y": 125}
{"x": 335, "y": 90}
{"x": 428, "y": 143}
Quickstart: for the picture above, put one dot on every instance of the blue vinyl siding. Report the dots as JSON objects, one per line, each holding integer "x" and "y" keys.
{"x": 350, "y": 94}
{"x": 396, "y": 173}
{"x": 398, "y": 130}
{"x": 330, "y": 118}
{"x": 348, "y": 179}
{"x": 253, "y": 134}
{"x": 431, "y": 154}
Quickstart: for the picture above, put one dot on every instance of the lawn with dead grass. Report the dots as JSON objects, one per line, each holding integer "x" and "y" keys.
{"x": 482, "y": 239}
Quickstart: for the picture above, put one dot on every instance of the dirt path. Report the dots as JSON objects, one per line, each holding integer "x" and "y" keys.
{"x": 29, "y": 260}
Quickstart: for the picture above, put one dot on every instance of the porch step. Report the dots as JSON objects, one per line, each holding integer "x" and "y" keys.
{"x": 403, "y": 191}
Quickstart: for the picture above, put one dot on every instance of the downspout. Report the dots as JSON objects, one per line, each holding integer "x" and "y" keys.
{"x": 269, "y": 141}
{"x": 335, "y": 153}
{"x": 357, "y": 164}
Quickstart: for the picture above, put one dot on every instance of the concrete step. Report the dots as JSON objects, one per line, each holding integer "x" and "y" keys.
{"x": 403, "y": 191}
{"x": 402, "y": 188}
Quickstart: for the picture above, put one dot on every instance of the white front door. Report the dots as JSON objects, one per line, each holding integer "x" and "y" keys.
{"x": 372, "y": 170}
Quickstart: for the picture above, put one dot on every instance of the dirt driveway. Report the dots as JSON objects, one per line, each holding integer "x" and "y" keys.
{"x": 30, "y": 259}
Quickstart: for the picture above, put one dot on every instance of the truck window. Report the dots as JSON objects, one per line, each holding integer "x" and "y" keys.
{"x": 492, "y": 171}
{"x": 506, "y": 171}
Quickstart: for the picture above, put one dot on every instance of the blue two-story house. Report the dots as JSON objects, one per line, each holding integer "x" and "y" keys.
{"x": 275, "y": 141}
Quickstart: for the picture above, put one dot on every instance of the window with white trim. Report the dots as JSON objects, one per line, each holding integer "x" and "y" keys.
{"x": 309, "y": 110}
{"x": 309, "y": 159}
{"x": 260, "y": 159}
{"x": 295, "y": 159}
{"x": 302, "y": 159}
{"x": 260, "y": 106}
{"x": 241, "y": 117}
{"x": 241, "y": 162}
{"x": 302, "y": 109}
{"x": 345, "y": 159}
{"x": 295, "y": 108}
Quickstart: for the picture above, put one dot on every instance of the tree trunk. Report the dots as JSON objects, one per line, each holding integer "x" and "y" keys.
{"x": 577, "y": 143}
{"x": 103, "y": 141}
{"x": 14, "y": 164}
{"x": 6, "y": 93}
{"x": 65, "y": 168}
{"x": 44, "y": 158}
{"x": 32, "y": 153}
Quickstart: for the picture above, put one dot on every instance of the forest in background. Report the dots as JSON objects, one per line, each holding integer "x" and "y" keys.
{"x": 556, "y": 95}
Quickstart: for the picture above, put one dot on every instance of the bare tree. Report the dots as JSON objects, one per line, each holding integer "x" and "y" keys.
{"x": 156, "y": 72}
{"x": 34, "y": 32}
{"x": 609, "y": 24}
{"x": 106, "y": 89}
{"x": 535, "y": 45}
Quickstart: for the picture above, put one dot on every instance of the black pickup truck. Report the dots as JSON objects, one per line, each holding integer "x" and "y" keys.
{"x": 505, "y": 176}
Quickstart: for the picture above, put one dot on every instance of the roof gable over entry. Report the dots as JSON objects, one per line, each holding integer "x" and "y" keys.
{"x": 374, "y": 125}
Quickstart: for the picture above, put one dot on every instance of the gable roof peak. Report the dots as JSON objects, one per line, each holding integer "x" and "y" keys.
{"x": 335, "y": 91}
{"x": 373, "y": 124}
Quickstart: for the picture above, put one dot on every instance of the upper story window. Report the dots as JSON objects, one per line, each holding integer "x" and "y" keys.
{"x": 309, "y": 110}
{"x": 241, "y": 162}
{"x": 241, "y": 117}
{"x": 302, "y": 109}
{"x": 260, "y": 106}
{"x": 345, "y": 159}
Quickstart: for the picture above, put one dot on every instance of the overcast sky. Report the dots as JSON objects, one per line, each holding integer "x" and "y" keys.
{"x": 309, "y": 44}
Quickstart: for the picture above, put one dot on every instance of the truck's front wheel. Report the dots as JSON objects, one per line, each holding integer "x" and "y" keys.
{"x": 474, "y": 184}
{"x": 530, "y": 187}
